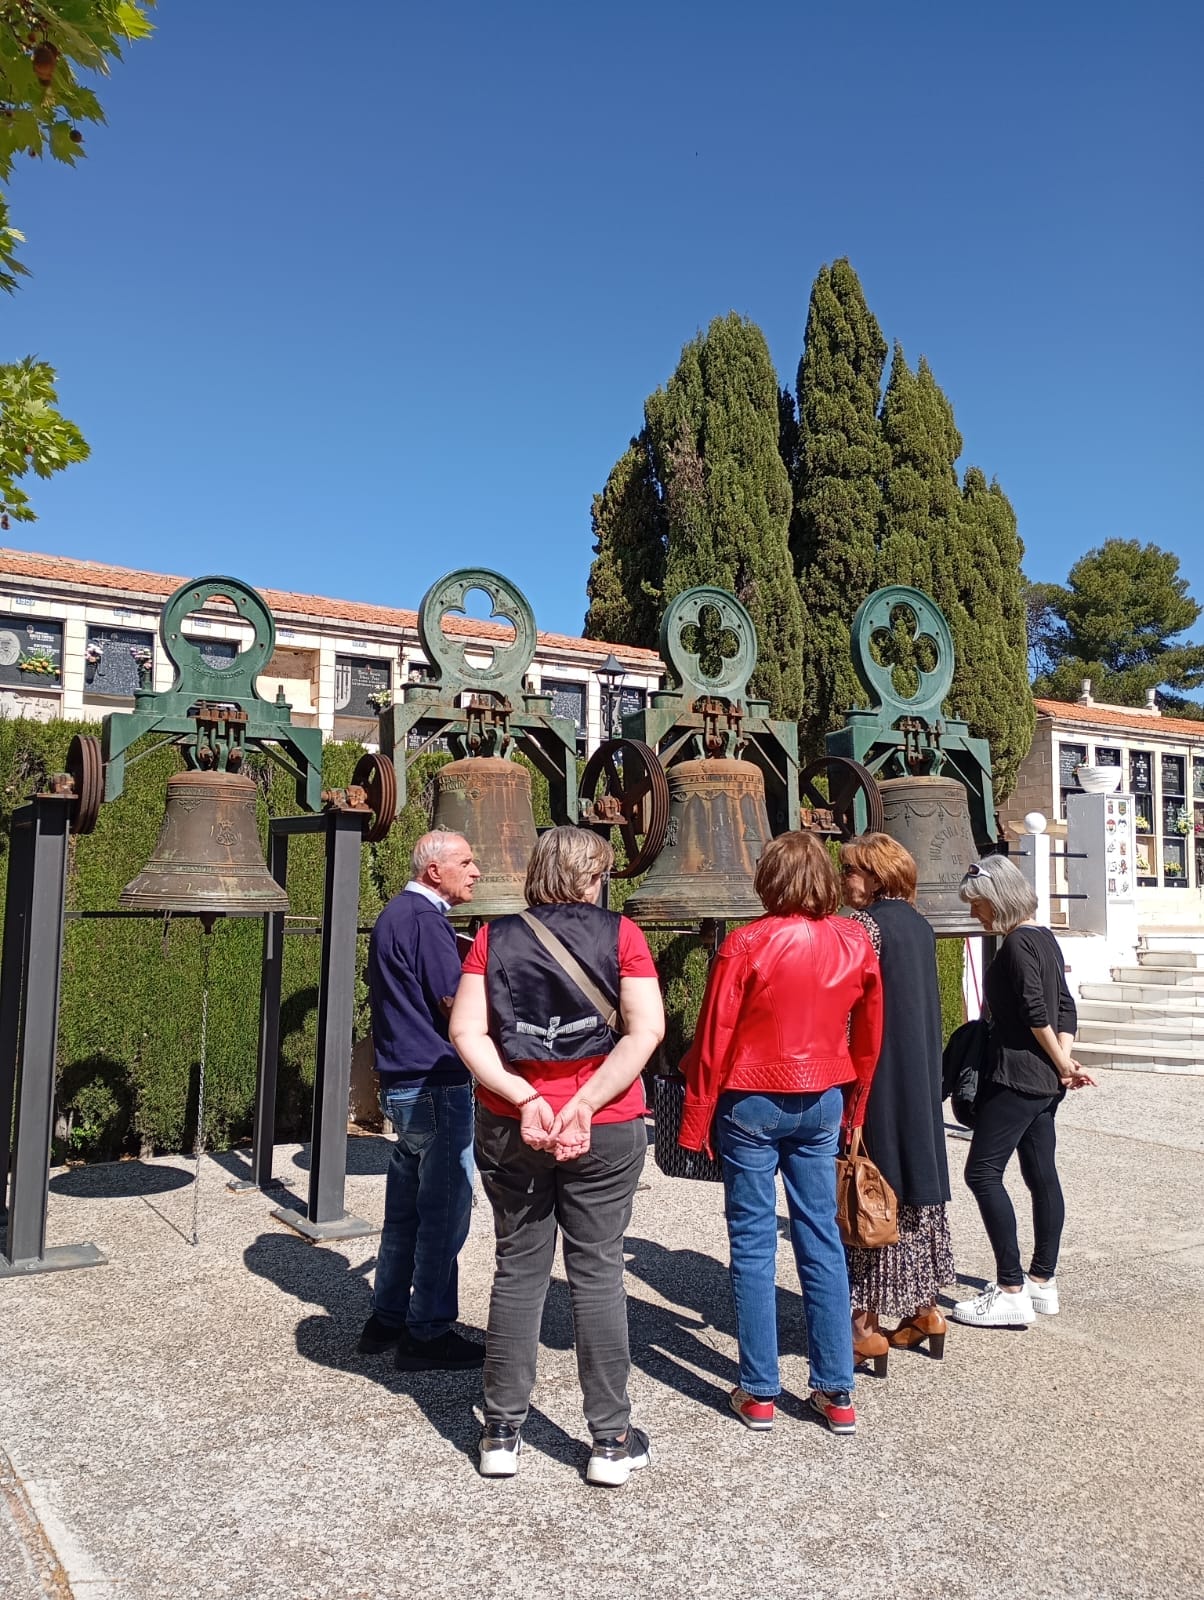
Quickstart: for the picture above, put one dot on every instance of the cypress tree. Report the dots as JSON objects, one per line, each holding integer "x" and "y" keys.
{"x": 627, "y": 576}
{"x": 921, "y": 502}
{"x": 714, "y": 431}
{"x": 990, "y": 686}
{"x": 839, "y": 461}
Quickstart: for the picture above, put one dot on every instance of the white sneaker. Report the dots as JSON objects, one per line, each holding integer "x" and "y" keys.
{"x": 499, "y": 1450}
{"x": 995, "y": 1308}
{"x": 612, "y": 1460}
{"x": 1044, "y": 1296}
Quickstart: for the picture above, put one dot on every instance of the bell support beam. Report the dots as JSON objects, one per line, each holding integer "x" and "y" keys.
{"x": 33, "y": 955}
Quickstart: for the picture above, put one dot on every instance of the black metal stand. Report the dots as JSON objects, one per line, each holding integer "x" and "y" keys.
{"x": 29, "y": 1001}
{"x": 325, "y": 1216}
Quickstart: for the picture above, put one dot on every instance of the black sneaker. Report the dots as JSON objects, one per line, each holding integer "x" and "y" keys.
{"x": 613, "y": 1460}
{"x": 379, "y": 1336}
{"x": 498, "y": 1450}
{"x": 450, "y": 1352}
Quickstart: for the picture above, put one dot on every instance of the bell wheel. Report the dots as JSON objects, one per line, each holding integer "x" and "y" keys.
{"x": 377, "y": 776}
{"x": 835, "y": 784}
{"x": 85, "y": 765}
{"x": 624, "y": 786}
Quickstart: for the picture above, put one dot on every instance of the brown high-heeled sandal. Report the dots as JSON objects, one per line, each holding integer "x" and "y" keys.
{"x": 871, "y": 1349}
{"x": 913, "y": 1331}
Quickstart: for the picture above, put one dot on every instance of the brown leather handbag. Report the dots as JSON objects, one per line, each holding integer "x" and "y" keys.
{"x": 866, "y": 1208}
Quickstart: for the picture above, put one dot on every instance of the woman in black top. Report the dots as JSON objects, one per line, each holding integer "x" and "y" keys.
{"x": 904, "y": 1122}
{"x": 1033, "y": 1022}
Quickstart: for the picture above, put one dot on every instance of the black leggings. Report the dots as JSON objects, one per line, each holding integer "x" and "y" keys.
{"x": 1008, "y": 1122}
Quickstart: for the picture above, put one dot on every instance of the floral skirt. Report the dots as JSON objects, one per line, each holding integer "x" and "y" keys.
{"x": 899, "y": 1278}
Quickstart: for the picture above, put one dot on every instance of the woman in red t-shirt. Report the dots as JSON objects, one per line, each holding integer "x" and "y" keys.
{"x": 560, "y": 1135}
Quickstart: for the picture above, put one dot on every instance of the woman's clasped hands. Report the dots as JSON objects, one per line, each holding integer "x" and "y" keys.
{"x": 566, "y": 1133}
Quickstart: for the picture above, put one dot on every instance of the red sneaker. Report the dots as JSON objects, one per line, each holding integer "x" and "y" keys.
{"x": 753, "y": 1413}
{"x": 836, "y": 1410}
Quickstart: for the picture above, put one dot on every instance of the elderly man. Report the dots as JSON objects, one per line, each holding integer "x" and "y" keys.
{"x": 426, "y": 1093}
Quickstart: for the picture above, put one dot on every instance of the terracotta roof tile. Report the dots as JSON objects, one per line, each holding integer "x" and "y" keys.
{"x": 158, "y": 585}
{"x": 1106, "y": 716}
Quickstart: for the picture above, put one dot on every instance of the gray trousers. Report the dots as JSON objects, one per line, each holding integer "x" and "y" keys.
{"x": 590, "y": 1198}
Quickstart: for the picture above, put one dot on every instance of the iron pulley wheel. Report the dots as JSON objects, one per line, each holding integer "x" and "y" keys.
{"x": 846, "y": 780}
{"x": 377, "y": 776}
{"x": 85, "y": 766}
{"x": 624, "y": 786}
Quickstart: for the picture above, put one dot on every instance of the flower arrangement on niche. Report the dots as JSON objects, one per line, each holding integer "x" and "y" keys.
{"x": 40, "y": 664}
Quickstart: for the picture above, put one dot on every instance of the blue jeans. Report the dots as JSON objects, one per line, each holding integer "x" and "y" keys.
{"x": 760, "y": 1135}
{"x": 428, "y": 1206}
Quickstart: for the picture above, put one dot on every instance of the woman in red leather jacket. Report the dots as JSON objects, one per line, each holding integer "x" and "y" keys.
{"x": 782, "y": 1058}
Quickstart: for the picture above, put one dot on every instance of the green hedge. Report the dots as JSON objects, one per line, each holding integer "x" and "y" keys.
{"x": 130, "y": 1017}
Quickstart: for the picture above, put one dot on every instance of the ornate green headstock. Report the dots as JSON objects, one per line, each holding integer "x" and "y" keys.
{"x": 885, "y": 619}
{"x": 504, "y": 675}
{"x": 732, "y": 671}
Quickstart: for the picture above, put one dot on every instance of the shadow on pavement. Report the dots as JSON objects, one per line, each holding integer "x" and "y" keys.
{"x": 447, "y": 1399}
{"x": 367, "y": 1155}
{"x": 118, "y": 1180}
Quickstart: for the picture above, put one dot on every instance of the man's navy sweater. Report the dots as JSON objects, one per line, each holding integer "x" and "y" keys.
{"x": 413, "y": 964}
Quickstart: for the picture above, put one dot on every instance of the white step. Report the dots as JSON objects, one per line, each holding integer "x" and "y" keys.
{"x": 1142, "y": 1056}
{"x": 1176, "y": 977}
{"x": 1184, "y": 1030}
{"x": 1177, "y": 998}
{"x": 1170, "y": 958}
{"x": 1190, "y": 1022}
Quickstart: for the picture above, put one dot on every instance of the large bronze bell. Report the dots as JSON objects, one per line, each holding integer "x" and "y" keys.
{"x": 930, "y": 817}
{"x": 488, "y": 800}
{"x": 207, "y": 858}
{"x": 718, "y": 827}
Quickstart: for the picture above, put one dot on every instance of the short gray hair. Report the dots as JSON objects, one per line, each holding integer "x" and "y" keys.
{"x": 433, "y": 847}
{"x": 1005, "y": 889}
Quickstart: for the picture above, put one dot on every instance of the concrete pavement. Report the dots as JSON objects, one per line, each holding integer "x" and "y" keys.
{"x": 193, "y": 1420}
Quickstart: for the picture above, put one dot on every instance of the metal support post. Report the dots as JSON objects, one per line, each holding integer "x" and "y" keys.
{"x": 33, "y": 964}
{"x": 325, "y": 1216}
{"x": 263, "y": 1134}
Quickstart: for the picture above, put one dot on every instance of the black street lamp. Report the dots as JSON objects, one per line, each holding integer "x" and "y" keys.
{"x": 610, "y": 675}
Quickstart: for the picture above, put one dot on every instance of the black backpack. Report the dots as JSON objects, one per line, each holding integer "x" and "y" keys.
{"x": 965, "y": 1068}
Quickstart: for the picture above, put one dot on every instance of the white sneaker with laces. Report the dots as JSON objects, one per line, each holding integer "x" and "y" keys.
{"x": 995, "y": 1308}
{"x": 1044, "y": 1296}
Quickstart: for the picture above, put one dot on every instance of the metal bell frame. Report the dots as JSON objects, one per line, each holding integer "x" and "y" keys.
{"x": 724, "y": 747}
{"x": 905, "y": 736}
{"x": 500, "y": 719}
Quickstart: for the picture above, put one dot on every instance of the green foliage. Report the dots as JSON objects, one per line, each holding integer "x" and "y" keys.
{"x": 840, "y": 458}
{"x": 626, "y": 580}
{"x": 726, "y": 495}
{"x": 1114, "y": 622}
{"x": 43, "y": 50}
{"x": 990, "y": 684}
{"x": 32, "y": 434}
{"x": 950, "y": 958}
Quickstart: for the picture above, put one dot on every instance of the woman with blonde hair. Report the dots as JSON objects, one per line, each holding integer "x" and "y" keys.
{"x": 1033, "y": 1023}
{"x": 782, "y": 1058}
{"x": 904, "y": 1124}
{"x": 557, "y": 1013}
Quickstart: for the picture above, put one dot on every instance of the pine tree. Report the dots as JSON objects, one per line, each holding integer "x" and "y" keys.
{"x": 714, "y": 431}
{"x": 990, "y": 688}
{"x": 627, "y": 577}
{"x": 838, "y": 463}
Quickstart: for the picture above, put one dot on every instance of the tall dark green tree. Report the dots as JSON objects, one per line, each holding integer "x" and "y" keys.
{"x": 990, "y": 688}
{"x": 1116, "y": 622}
{"x": 626, "y": 580}
{"x": 921, "y": 499}
{"x": 838, "y": 462}
{"x": 714, "y": 431}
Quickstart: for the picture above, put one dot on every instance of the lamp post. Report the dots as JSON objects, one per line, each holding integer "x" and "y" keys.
{"x": 610, "y": 675}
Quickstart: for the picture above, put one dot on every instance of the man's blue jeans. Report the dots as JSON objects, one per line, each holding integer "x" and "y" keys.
{"x": 428, "y": 1206}
{"x": 798, "y": 1135}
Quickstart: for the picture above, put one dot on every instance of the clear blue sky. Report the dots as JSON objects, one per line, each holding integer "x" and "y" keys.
{"x": 341, "y": 305}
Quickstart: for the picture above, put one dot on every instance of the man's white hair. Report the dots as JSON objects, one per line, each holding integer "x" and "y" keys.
{"x": 433, "y": 847}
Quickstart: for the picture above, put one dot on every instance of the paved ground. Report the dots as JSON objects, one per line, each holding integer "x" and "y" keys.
{"x": 192, "y": 1420}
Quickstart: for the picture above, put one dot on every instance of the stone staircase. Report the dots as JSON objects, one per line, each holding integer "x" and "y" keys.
{"x": 1149, "y": 1018}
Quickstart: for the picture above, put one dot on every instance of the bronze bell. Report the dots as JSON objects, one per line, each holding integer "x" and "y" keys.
{"x": 718, "y": 827}
{"x": 930, "y": 817}
{"x": 488, "y": 800}
{"x": 207, "y": 858}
